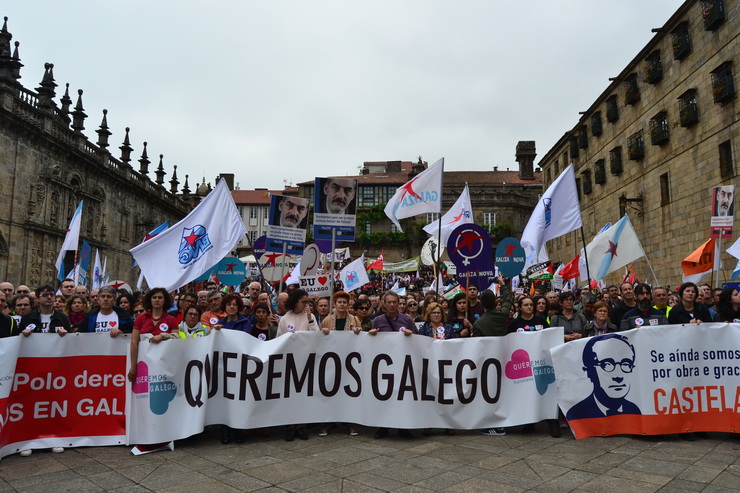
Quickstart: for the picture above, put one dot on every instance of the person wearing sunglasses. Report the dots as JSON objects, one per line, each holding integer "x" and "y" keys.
{"x": 45, "y": 319}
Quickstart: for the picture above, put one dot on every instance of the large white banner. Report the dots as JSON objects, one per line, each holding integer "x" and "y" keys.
{"x": 388, "y": 380}
{"x": 653, "y": 380}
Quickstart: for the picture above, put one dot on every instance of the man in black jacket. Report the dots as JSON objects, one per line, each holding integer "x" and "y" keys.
{"x": 45, "y": 319}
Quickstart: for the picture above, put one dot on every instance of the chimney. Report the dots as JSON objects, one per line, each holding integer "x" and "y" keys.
{"x": 525, "y": 154}
{"x": 229, "y": 177}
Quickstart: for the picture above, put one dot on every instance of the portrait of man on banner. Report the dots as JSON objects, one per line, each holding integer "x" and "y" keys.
{"x": 609, "y": 362}
{"x": 336, "y": 195}
{"x": 288, "y": 212}
{"x": 723, "y": 201}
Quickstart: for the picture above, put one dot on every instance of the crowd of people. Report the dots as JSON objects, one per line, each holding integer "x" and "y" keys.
{"x": 256, "y": 310}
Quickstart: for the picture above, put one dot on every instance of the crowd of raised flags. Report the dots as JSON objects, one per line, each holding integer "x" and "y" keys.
{"x": 171, "y": 257}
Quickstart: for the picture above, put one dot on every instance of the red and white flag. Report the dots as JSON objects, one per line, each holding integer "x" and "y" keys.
{"x": 570, "y": 270}
{"x": 377, "y": 264}
{"x": 461, "y": 212}
{"x": 421, "y": 195}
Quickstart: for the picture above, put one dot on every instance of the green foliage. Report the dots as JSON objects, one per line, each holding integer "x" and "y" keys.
{"x": 500, "y": 231}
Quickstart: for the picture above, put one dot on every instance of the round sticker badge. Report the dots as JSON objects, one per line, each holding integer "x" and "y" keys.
{"x": 31, "y": 326}
{"x": 214, "y": 320}
{"x": 639, "y": 321}
{"x": 440, "y": 332}
{"x": 538, "y": 327}
{"x": 402, "y": 329}
{"x": 734, "y": 321}
{"x": 262, "y": 337}
{"x": 291, "y": 327}
{"x": 163, "y": 327}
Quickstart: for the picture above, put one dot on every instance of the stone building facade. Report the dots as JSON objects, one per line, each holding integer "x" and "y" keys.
{"x": 654, "y": 143}
{"x": 502, "y": 202}
{"x": 47, "y": 166}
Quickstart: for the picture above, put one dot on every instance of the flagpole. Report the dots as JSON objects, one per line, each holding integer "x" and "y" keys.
{"x": 259, "y": 267}
{"x": 333, "y": 257}
{"x": 585, "y": 256}
{"x": 655, "y": 278}
{"x": 282, "y": 267}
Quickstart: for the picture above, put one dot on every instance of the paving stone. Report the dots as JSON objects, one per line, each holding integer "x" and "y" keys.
{"x": 442, "y": 482}
{"x": 375, "y": 481}
{"x": 238, "y": 480}
{"x": 481, "y": 485}
{"x": 37, "y": 480}
{"x": 308, "y": 482}
{"x": 566, "y": 482}
{"x": 278, "y": 473}
{"x": 654, "y": 466}
{"x": 682, "y": 485}
{"x": 699, "y": 474}
{"x": 73, "y": 484}
{"x": 158, "y": 482}
{"x": 22, "y": 467}
{"x": 607, "y": 483}
{"x": 110, "y": 480}
{"x": 726, "y": 479}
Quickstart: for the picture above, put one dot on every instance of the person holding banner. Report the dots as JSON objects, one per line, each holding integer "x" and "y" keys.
{"x": 298, "y": 318}
{"x": 461, "y": 326}
{"x": 154, "y": 321}
{"x": 601, "y": 324}
{"x": 434, "y": 323}
{"x": 362, "y": 312}
{"x": 527, "y": 320}
{"x": 191, "y": 326}
{"x": 232, "y": 305}
{"x": 76, "y": 308}
{"x": 341, "y": 319}
{"x": 262, "y": 329}
{"x": 107, "y": 318}
{"x": 45, "y": 319}
{"x": 688, "y": 310}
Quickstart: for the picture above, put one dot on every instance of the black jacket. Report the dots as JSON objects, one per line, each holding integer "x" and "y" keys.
{"x": 58, "y": 320}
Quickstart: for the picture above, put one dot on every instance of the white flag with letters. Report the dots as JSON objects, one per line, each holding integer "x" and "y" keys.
{"x": 420, "y": 195}
{"x": 461, "y": 212}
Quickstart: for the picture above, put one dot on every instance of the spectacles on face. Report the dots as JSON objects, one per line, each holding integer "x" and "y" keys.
{"x": 46, "y": 294}
{"x": 609, "y": 365}
{"x": 436, "y": 313}
{"x": 23, "y": 291}
{"x": 138, "y": 312}
{"x": 411, "y": 305}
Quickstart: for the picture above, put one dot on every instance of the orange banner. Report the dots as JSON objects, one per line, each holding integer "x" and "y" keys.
{"x": 701, "y": 260}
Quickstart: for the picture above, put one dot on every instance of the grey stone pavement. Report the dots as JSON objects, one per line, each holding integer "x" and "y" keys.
{"x": 466, "y": 462}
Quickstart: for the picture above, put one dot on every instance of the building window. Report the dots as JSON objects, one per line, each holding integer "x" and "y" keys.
{"x": 241, "y": 211}
{"x": 368, "y": 227}
{"x": 432, "y": 217}
{"x": 615, "y": 161}
{"x": 266, "y": 214}
{"x": 596, "y": 128}
{"x": 556, "y": 165}
{"x": 726, "y": 166}
{"x": 253, "y": 213}
{"x": 367, "y": 195}
{"x": 489, "y": 219}
{"x": 659, "y": 129}
{"x": 631, "y": 90}
{"x": 636, "y": 147}
{"x": 688, "y": 112}
{"x": 600, "y": 172}
{"x": 573, "y": 148}
{"x": 665, "y": 190}
{"x": 681, "y": 41}
{"x": 612, "y": 110}
{"x": 394, "y": 228}
{"x": 653, "y": 68}
{"x": 723, "y": 87}
{"x": 578, "y": 187}
{"x": 583, "y": 137}
{"x": 586, "y": 182}
{"x": 713, "y": 12}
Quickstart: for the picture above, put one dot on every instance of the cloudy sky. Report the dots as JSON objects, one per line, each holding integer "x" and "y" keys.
{"x": 281, "y": 91}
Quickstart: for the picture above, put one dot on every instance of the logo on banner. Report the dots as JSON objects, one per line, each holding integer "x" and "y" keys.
{"x": 157, "y": 388}
{"x": 352, "y": 280}
{"x": 548, "y": 211}
{"x": 194, "y": 242}
{"x": 522, "y": 368}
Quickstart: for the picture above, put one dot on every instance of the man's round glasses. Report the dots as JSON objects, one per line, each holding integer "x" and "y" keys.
{"x": 608, "y": 365}
{"x": 46, "y": 295}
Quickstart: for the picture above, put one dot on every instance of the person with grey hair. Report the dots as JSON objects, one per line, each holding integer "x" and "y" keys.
{"x": 107, "y": 318}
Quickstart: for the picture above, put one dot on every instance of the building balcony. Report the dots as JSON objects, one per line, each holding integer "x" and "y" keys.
{"x": 713, "y": 13}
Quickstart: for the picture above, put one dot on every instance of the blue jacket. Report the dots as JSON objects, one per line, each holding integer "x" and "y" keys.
{"x": 126, "y": 323}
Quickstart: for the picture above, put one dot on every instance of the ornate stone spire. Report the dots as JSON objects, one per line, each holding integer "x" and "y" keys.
{"x": 103, "y": 132}
{"x": 126, "y": 149}
{"x": 78, "y": 115}
{"x": 46, "y": 88}
{"x": 143, "y": 161}
{"x": 66, "y": 104}
{"x": 7, "y": 66}
{"x": 16, "y": 64}
{"x": 186, "y": 188}
{"x": 174, "y": 181}
{"x": 160, "y": 171}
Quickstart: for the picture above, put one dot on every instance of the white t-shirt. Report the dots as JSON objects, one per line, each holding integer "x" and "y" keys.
{"x": 45, "y": 321}
{"x": 106, "y": 323}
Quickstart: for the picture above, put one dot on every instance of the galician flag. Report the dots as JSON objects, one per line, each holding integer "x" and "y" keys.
{"x": 353, "y": 276}
{"x": 558, "y": 212}
{"x": 613, "y": 248}
{"x": 71, "y": 240}
{"x": 460, "y": 213}
{"x": 97, "y": 277}
{"x": 195, "y": 244}
{"x": 421, "y": 195}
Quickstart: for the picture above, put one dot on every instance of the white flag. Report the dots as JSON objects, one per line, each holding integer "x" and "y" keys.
{"x": 71, "y": 240}
{"x": 615, "y": 247}
{"x": 295, "y": 275}
{"x": 353, "y": 276}
{"x": 460, "y": 213}
{"x": 97, "y": 278}
{"x": 195, "y": 244}
{"x": 558, "y": 212}
{"x": 421, "y": 195}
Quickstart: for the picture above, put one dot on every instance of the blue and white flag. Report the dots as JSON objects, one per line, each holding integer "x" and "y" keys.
{"x": 423, "y": 194}
{"x": 734, "y": 250}
{"x": 353, "y": 276}
{"x": 71, "y": 240}
{"x": 558, "y": 212}
{"x": 614, "y": 248}
{"x": 195, "y": 244}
